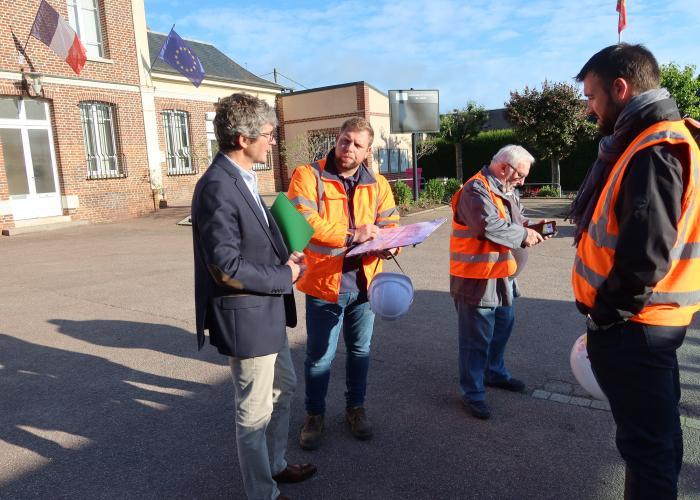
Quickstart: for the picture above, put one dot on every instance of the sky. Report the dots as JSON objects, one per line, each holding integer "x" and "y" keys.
{"x": 468, "y": 50}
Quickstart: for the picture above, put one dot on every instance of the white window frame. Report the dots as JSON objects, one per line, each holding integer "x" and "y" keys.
{"x": 178, "y": 149}
{"x": 99, "y": 130}
{"x": 81, "y": 13}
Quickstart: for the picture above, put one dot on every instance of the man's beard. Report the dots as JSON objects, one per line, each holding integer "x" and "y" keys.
{"x": 606, "y": 124}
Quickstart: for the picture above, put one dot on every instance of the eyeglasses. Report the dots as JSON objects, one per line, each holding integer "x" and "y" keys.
{"x": 518, "y": 175}
{"x": 271, "y": 136}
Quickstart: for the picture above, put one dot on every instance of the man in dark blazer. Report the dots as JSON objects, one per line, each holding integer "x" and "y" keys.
{"x": 243, "y": 292}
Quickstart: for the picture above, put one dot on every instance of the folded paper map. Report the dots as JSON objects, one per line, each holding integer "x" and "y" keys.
{"x": 401, "y": 236}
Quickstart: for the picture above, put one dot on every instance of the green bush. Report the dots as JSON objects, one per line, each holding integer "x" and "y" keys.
{"x": 423, "y": 201}
{"x": 434, "y": 190}
{"x": 402, "y": 193}
{"x": 451, "y": 187}
{"x": 548, "y": 192}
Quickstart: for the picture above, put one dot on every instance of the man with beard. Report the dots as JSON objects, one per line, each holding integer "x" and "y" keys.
{"x": 637, "y": 263}
{"x": 346, "y": 203}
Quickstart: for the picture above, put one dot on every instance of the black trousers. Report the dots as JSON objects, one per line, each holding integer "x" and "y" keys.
{"x": 637, "y": 369}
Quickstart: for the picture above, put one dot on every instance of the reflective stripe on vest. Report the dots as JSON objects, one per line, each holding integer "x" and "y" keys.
{"x": 676, "y": 297}
{"x": 319, "y": 186}
{"x": 471, "y": 254}
{"x": 331, "y": 251}
{"x": 322, "y": 278}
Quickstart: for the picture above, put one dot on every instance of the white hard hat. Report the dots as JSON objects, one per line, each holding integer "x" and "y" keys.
{"x": 581, "y": 366}
{"x": 390, "y": 295}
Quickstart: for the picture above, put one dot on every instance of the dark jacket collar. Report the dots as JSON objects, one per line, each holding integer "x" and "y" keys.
{"x": 663, "y": 110}
{"x": 331, "y": 172}
{"x": 220, "y": 161}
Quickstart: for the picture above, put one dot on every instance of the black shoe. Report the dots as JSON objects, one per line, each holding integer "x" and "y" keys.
{"x": 478, "y": 409}
{"x": 512, "y": 384}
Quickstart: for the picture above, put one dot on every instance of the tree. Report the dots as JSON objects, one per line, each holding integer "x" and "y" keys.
{"x": 684, "y": 87}
{"x": 425, "y": 147}
{"x": 549, "y": 122}
{"x": 306, "y": 148}
{"x": 461, "y": 125}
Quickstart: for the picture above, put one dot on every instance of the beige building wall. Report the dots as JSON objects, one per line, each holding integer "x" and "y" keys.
{"x": 378, "y": 102}
{"x": 324, "y": 103}
{"x": 327, "y": 109}
{"x": 379, "y": 118}
{"x": 176, "y": 87}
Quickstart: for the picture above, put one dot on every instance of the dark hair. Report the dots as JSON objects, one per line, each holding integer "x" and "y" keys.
{"x": 240, "y": 114}
{"x": 358, "y": 124}
{"x": 634, "y": 63}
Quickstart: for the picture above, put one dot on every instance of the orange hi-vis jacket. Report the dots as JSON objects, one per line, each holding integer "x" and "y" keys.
{"x": 676, "y": 297}
{"x": 320, "y": 196}
{"x": 471, "y": 254}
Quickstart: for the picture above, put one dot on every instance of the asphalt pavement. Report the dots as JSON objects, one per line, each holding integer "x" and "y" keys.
{"x": 103, "y": 393}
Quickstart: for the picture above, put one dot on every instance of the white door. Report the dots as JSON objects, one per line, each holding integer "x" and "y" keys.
{"x": 30, "y": 164}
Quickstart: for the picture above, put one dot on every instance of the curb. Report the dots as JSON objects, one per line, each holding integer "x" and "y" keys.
{"x": 427, "y": 210}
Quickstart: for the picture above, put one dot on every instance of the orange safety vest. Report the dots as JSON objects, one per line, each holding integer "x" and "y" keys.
{"x": 320, "y": 197}
{"x": 471, "y": 254}
{"x": 676, "y": 297}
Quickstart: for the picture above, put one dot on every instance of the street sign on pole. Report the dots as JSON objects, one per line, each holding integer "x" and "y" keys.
{"x": 414, "y": 111}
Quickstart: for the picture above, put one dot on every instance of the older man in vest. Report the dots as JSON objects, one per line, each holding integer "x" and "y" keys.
{"x": 487, "y": 247}
{"x": 637, "y": 270}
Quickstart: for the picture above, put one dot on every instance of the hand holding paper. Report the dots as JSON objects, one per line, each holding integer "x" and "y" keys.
{"x": 395, "y": 237}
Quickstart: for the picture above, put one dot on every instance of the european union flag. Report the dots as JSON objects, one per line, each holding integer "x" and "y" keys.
{"x": 177, "y": 54}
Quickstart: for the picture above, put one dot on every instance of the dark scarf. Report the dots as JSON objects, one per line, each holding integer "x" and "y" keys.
{"x": 610, "y": 148}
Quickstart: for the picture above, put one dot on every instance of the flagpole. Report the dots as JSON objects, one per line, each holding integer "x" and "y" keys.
{"x": 150, "y": 68}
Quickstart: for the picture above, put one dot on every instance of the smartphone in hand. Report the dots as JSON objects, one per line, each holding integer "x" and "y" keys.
{"x": 545, "y": 228}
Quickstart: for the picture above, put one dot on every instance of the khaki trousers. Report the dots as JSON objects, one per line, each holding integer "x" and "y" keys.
{"x": 263, "y": 389}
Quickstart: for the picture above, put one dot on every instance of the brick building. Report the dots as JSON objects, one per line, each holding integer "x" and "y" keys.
{"x": 189, "y": 145}
{"x": 114, "y": 141}
{"x": 311, "y": 119}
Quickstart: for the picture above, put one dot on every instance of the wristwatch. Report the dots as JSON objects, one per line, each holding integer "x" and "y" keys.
{"x": 595, "y": 327}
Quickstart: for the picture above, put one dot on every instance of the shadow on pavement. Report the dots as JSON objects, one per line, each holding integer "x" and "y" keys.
{"x": 166, "y": 339}
{"x": 98, "y": 429}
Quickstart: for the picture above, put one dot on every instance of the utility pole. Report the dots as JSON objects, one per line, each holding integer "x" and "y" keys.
{"x": 274, "y": 73}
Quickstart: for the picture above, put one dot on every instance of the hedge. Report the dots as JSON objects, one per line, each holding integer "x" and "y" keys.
{"x": 479, "y": 151}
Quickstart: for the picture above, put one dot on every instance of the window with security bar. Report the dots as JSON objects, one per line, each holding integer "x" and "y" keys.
{"x": 99, "y": 133}
{"x": 84, "y": 18}
{"x": 264, "y": 166}
{"x": 178, "y": 153}
{"x": 392, "y": 160}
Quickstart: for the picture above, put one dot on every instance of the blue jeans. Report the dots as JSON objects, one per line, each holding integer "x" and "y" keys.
{"x": 483, "y": 334}
{"x": 323, "y": 323}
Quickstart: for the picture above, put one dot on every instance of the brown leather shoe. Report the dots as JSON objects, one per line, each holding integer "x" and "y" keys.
{"x": 359, "y": 424}
{"x": 295, "y": 473}
{"x": 311, "y": 432}
{"x": 282, "y": 497}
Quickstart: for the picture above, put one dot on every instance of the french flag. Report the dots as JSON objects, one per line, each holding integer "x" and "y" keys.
{"x": 57, "y": 34}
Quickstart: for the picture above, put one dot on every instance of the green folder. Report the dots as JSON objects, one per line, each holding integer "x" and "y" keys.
{"x": 296, "y": 231}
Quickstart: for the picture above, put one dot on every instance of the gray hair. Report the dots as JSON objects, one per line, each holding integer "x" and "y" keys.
{"x": 240, "y": 115}
{"x": 513, "y": 155}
